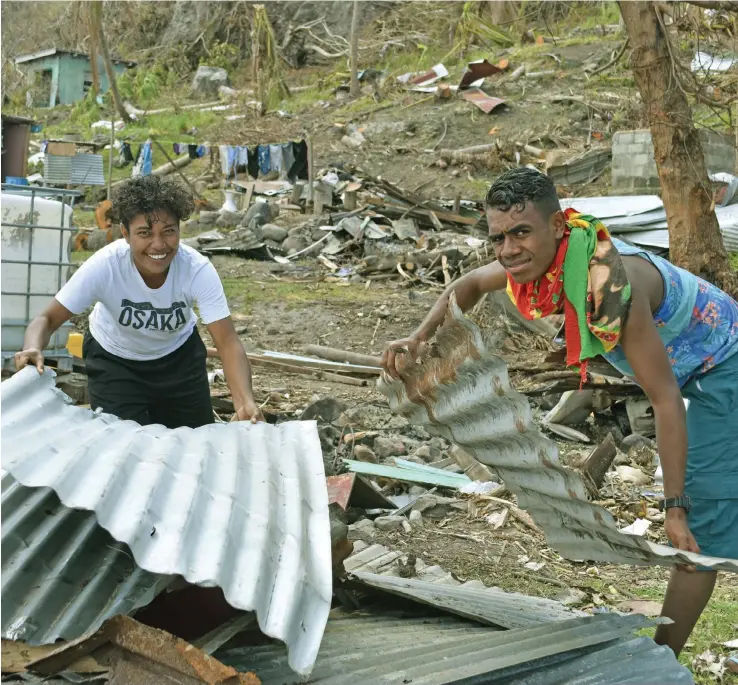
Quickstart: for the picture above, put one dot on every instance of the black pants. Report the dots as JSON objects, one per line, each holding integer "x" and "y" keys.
{"x": 172, "y": 391}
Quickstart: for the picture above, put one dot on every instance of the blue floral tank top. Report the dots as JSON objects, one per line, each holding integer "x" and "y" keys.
{"x": 697, "y": 321}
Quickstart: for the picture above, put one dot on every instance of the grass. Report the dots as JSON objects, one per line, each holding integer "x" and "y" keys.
{"x": 716, "y": 625}
{"x": 734, "y": 261}
{"x": 245, "y": 293}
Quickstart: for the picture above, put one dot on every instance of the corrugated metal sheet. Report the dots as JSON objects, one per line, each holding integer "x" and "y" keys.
{"x": 239, "y": 506}
{"x": 377, "y": 650}
{"x": 411, "y": 472}
{"x": 460, "y": 390}
{"x": 643, "y": 218}
{"x": 62, "y": 574}
{"x": 83, "y": 169}
{"x": 484, "y": 605}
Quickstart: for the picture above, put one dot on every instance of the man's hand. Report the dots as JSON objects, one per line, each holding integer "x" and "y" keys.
{"x": 409, "y": 346}
{"x": 248, "y": 411}
{"x": 29, "y": 357}
{"x": 677, "y": 530}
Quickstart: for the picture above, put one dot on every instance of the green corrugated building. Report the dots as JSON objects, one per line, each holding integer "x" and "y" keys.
{"x": 61, "y": 77}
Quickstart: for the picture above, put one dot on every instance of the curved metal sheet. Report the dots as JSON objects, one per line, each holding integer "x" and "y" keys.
{"x": 460, "y": 390}
{"x": 239, "y": 506}
{"x": 62, "y": 574}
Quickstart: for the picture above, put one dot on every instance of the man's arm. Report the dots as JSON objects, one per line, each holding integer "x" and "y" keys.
{"x": 647, "y": 356}
{"x": 38, "y": 334}
{"x": 237, "y": 369}
{"x": 468, "y": 289}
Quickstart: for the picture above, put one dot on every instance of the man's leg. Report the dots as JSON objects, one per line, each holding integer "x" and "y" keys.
{"x": 686, "y": 597}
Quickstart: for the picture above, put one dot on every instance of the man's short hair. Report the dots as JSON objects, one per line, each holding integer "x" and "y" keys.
{"x": 147, "y": 194}
{"x": 517, "y": 187}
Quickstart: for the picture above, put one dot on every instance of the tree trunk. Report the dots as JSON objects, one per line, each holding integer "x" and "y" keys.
{"x": 695, "y": 241}
{"x": 93, "y": 50}
{"x": 355, "y": 51}
{"x": 96, "y": 11}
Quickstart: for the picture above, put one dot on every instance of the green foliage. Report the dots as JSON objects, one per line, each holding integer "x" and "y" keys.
{"x": 86, "y": 111}
{"x": 221, "y": 55}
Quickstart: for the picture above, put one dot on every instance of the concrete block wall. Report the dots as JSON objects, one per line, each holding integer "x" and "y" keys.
{"x": 634, "y": 167}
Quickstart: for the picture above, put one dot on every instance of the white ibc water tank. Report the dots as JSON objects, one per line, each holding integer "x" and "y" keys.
{"x": 46, "y": 249}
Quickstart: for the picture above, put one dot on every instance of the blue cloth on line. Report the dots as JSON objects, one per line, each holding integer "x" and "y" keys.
{"x": 264, "y": 163}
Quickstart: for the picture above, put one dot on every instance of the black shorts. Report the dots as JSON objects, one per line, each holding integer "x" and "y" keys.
{"x": 172, "y": 391}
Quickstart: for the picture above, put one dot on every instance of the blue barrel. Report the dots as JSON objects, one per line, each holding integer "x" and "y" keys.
{"x": 16, "y": 180}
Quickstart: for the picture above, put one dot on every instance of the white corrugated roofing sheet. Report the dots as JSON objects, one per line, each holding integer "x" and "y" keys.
{"x": 239, "y": 506}
{"x": 460, "y": 390}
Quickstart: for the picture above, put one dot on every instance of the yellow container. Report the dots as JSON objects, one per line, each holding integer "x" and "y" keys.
{"x": 74, "y": 344}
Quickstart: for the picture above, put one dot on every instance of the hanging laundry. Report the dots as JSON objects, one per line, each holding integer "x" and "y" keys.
{"x": 126, "y": 154}
{"x": 192, "y": 151}
{"x": 288, "y": 158}
{"x": 275, "y": 158}
{"x": 242, "y": 157}
{"x": 177, "y": 147}
{"x": 253, "y": 163}
{"x": 299, "y": 169}
{"x": 223, "y": 150}
{"x": 202, "y": 150}
{"x": 144, "y": 161}
{"x": 264, "y": 165}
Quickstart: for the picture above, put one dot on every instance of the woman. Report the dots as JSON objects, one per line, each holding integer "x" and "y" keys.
{"x": 144, "y": 357}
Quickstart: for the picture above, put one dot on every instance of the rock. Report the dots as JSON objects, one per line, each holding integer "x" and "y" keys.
{"x": 227, "y": 93}
{"x": 437, "y": 507}
{"x": 413, "y": 459}
{"x": 388, "y": 447}
{"x": 229, "y": 219}
{"x": 364, "y": 453}
{"x": 571, "y": 596}
{"x": 294, "y": 244}
{"x": 417, "y": 490}
{"x": 326, "y": 410}
{"x": 620, "y": 459}
{"x": 190, "y": 226}
{"x": 406, "y": 526}
{"x": 297, "y": 230}
{"x": 207, "y": 80}
{"x": 388, "y": 523}
{"x": 351, "y": 142}
{"x": 259, "y": 213}
{"x": 416, "y": 517}
{"x": 190, "y": 242}
{"x": 207, "y": 218}
{"x": 635, "y": 440}
{"x": 628, "y": 474}
{"x": 363, "y": 526}
{"x": 424, "y": 452}
{"x": 328, "y": 436}
{"x": 437, "y": 443}
{"x": 273, "y": 232}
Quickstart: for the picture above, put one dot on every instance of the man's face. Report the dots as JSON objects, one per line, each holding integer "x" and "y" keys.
{"x": 154, "y": 241}
{"x": 525, "y": 242}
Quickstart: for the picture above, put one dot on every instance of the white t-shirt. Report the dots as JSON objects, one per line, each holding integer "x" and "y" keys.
{"x": 133, "y": 321}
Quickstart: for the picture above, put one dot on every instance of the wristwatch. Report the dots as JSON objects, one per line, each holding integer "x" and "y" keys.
{"x": 681, "y": 502}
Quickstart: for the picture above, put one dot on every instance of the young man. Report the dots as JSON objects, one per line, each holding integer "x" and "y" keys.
{"x": 144, "y": 357}
{"x": 658, "y": 324}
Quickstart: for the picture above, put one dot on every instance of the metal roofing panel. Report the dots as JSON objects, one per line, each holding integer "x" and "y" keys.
{"x": 484, "y": 605}
{"x": 62, "y": 574}
{"x": 613, "y": 205}
{"x": 82, "y": 169}
{"x": 373, "y": 650}
{"x": 239, "y": 506}
{"x": 460, "y": 390}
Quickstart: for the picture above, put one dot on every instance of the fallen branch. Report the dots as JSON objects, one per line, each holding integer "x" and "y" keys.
{"x": 614, "y": 60}
{"x": 336, "y": 355}
{"x": 522, "y": 516}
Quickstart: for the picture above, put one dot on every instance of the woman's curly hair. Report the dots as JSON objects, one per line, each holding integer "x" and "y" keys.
{"x": 147, "y": 194}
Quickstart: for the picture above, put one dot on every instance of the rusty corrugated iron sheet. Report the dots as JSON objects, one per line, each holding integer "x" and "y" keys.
{"x": 239, "y": 506}
{"x": 481, "y": 100}
{"x": 460, "y": 389}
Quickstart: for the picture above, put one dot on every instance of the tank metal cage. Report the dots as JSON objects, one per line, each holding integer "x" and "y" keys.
{"x": 56, "y": 350}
